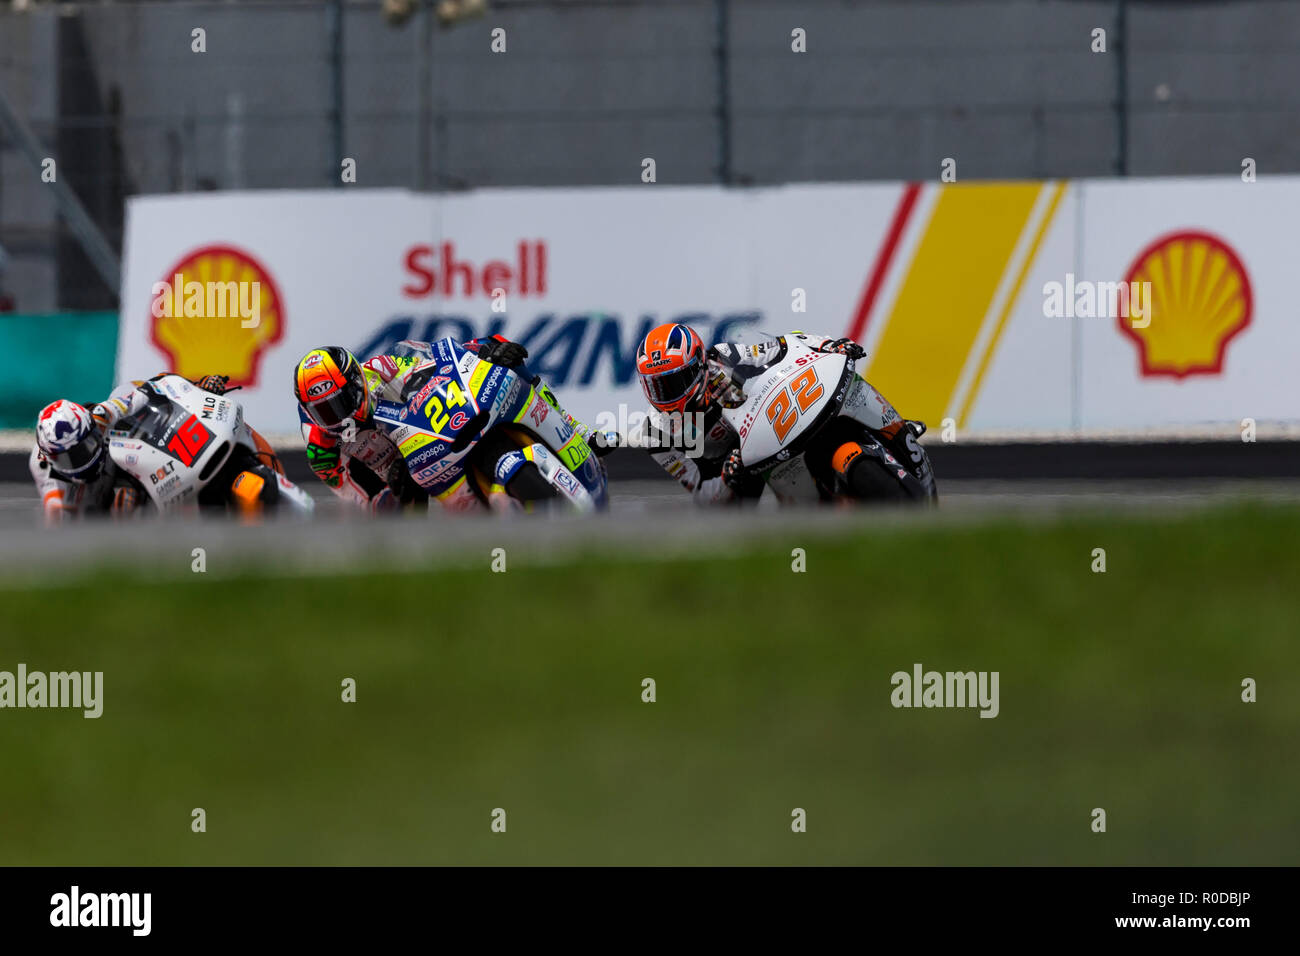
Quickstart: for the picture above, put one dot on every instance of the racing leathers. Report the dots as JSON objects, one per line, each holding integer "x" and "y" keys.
{"x": 357, "y": 463}
{"x": 706, "y": 467}
{"x": 61, "y": 496}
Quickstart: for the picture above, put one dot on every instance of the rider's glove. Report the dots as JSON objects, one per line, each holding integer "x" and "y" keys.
{"x": 509, "y": 354}
{"x": 650, "y": 436}
{"x": 733, "y": 472}
{"x": 217, "y": 384}
{"x": 100, "y": 416}
{"x": 721, "y": 388}
{"x": 741, "y": 483}
{"x": 603, "y": 442}
{"x": 846, "y": 347}
{"x": 402, "y": 485}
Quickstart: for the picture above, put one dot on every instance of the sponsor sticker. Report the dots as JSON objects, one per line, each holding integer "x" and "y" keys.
{"x": 476, "y": 380}
{"x": 436, "y": 470}
{"x": 788, "y": 470}
{"x": 567, "y": 482}
{"x": 428, "y": 389}
{"x": 430, "y": 452}
{"x": 538, "y": 412}
{"x": 507, "y": 465}
{"x": 162, "y": 472}
{"x": 384, "y": 365}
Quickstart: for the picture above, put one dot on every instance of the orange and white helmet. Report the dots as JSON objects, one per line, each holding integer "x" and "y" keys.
{"x": 671, "y": 364}
{"x": 331, "y": 388}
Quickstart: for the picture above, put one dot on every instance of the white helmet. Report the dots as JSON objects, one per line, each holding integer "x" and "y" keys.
{"x": 70, "y": 440}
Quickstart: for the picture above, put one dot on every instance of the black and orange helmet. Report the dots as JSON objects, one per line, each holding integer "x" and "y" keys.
{"x": 331, "y": 387}
{"x": 671, "y": 365}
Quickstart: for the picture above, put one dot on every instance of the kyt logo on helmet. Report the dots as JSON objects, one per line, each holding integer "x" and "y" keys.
{"x": 331, "y": 388}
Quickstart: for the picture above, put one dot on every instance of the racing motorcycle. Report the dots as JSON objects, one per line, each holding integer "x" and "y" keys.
{"x": 792, "y": 417}
{"x": 464, "y": 420}
{"x": 189, "y": 447}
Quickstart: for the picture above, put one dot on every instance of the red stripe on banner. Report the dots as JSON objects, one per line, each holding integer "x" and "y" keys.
{"x": 901, "y": 215}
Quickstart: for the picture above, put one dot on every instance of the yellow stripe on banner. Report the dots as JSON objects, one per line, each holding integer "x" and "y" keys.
{"x": 1057, "y": 192}
{"x": 947, "y": 293}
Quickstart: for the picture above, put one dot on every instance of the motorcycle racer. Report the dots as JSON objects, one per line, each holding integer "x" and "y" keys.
{"x": 681, "y": 378}
{"x": 337, "y": 396}
{"x": 73, "y": 472}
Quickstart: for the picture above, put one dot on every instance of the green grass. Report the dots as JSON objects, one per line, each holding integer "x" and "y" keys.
{"x": 523, "y": 691}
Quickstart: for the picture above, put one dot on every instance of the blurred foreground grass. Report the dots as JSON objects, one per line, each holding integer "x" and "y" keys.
{"x": 523, "y": 691}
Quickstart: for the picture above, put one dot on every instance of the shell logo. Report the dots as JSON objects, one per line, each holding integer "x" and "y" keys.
{"x": 205, "y": 334}
{"x": 1200, "y": 300}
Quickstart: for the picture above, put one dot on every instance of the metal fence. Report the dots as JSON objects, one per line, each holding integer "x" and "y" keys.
{"x": 580, "y": 92}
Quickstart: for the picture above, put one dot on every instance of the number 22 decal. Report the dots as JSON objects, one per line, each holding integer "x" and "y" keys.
{"x": 782, "y": 411}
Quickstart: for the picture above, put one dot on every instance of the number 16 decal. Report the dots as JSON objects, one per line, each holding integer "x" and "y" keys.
{"x": 781, "y": 410}
{"x": 189, "y": 441}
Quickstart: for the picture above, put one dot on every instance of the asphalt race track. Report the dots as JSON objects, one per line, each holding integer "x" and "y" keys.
{"x": 652, "y": 515}
{"x": 646, "y": 517}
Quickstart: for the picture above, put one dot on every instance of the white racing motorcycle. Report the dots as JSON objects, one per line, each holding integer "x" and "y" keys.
{"x": 190, "y": 447}
{"x": 794, "y": 415}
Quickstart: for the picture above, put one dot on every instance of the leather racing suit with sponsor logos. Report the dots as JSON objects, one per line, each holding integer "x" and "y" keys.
{"x": 110, "y": 491}
{"x": 730, "y": 366}
{"x": 356, "y": 467}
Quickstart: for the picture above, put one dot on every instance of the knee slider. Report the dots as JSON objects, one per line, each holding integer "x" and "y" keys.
{"x": 254, "y": 488}
{"x": 845, "y": 456}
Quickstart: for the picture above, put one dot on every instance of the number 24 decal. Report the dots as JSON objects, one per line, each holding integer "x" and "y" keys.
{"x": 782, "y": 411}
{"x": 433, "y": 407}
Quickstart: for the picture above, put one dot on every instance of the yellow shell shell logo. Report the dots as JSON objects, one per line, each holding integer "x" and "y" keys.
{"x": 1200, "y": 300}
{"x": 219, "y": 315}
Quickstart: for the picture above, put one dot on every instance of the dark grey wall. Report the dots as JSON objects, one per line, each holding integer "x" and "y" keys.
{"x": 26, "y": 207}
{"x": 887, "y": 89}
